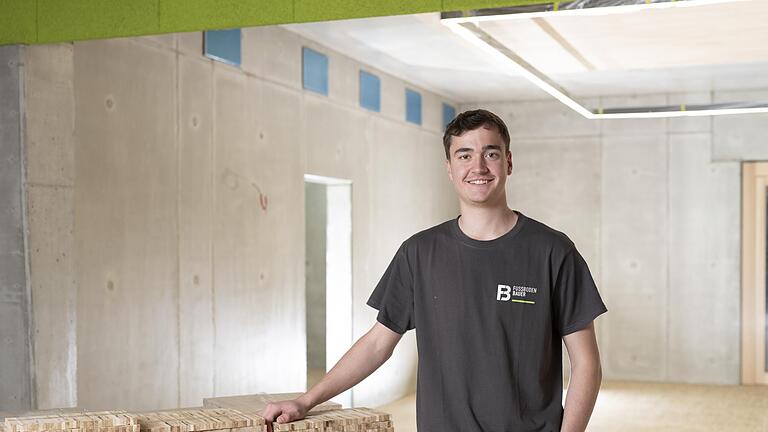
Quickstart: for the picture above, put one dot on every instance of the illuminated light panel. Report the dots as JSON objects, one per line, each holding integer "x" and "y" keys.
{"x": 761, "y": 109}
{"x": 467, "y": 29}
{"x": 515, "y": 63}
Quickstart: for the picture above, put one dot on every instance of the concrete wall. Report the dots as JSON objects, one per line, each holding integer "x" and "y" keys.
{"x": 50, "y": 178}
{"x": 654, "y": 206}
{"x": 16, "y": 379}
{"x": 170, "y": 215}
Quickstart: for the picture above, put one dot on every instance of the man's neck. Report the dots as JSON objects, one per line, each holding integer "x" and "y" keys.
{"x": 487, "y": 223}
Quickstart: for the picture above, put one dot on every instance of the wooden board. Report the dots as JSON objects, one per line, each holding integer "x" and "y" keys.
{"x": 101, "y": 421}
{"x": 352, "y": 419}
{"x": 52, "y": 411}
{"x": 255, "y": 403}
{"x": 200, "y": 419}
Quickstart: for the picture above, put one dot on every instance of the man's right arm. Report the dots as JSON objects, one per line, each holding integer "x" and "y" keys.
{"x": 365, "y": 356}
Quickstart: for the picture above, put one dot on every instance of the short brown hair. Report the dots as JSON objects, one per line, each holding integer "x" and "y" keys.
{"x": 471, "y": 120}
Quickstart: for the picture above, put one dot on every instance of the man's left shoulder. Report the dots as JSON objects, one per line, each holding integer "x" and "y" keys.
{"x": 548, "y": 237}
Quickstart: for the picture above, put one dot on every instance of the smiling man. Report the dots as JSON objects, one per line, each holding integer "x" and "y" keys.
{"x": 491, "y": 295}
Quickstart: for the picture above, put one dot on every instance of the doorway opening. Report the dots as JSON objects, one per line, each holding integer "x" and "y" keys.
{"x": 754, "y": 290}
{"x": 328, "y": 239}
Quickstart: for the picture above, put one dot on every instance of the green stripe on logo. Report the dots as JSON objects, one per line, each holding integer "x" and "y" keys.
{"x": 524, "y": 301}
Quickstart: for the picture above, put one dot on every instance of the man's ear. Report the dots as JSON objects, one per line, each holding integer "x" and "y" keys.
{"x": 509, "y": 162}
{"x": 448, "y": 169}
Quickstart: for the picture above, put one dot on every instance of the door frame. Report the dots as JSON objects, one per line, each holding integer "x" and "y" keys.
{"x": 338, "y": 280}
{"x": 753, "y": 274}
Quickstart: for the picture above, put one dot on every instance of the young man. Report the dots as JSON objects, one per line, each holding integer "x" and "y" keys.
{"x": 491, "y": 294}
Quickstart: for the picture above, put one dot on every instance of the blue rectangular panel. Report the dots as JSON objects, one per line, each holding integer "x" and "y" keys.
{"x": 315, "y": 71}
{"x": 223, "y": 46}
{"x": 370, "y": 91}
{"x": 449, "y": 113}
{"x": 412, "y": 106}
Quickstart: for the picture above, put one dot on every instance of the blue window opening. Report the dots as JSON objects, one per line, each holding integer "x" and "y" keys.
{"x": 315, "y": 71}
{"x": 449, "y": 113}
{"x": 412, "y": 106}
{"x": 370, "y": 91}
{"x": 223, "y": 46}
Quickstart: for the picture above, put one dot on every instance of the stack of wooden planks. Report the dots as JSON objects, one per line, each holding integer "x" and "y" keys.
{"x": 342, "y": 420}
{"x": 103, "y": 421}
{"x": 200, "y": 419}
{"x": 327, "y": 419}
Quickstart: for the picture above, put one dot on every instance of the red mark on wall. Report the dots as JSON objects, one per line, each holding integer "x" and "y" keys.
{"x": 232, "y": 180}
{"x": 263, "y": 200}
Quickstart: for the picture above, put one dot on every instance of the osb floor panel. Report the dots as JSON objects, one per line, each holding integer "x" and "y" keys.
{"x": 646, "y": 407}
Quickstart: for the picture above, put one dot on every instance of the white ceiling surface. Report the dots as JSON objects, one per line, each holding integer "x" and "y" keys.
{"x": 674, "y": 50}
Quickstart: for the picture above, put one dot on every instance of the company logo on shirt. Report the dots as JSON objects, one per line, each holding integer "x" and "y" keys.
{"x": 516, "y": 294}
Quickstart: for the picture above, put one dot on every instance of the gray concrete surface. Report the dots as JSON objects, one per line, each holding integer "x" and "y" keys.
{"x": 15, "y": 354}
{"x": 196, "y": 317}
{"x": 634, "y": 255}
{"x": 259, "y": 236}
{"x": 738, "y": 138}
{"x": 167, "y": 215}
{"x": 50, "y": 155}
{"x": 126, "y": 225}
{"x": 704, "y": 263}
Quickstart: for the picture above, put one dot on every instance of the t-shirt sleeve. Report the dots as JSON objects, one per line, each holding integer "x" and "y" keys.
{"x": 393, "y": 295}
{"x": 576, "y": 301}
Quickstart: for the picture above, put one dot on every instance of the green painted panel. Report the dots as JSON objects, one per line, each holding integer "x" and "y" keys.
{"x": 188, "y": 15}
{"x": 47, "y": 21}
{"x": 327, "y": 10}
{"x": 69, "y": 20}
{"x": 457, "y": 5}
{"x": 17, "y": 21}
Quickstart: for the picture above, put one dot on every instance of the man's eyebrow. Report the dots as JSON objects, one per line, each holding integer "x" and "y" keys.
{"x": 467, "y": 149}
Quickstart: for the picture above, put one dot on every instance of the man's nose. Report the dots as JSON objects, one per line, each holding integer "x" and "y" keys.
{"x": 479, "y": 164}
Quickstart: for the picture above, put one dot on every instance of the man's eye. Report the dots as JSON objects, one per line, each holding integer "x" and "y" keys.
{"x": 463, "y": 156}
{"x": 493, "y": 156}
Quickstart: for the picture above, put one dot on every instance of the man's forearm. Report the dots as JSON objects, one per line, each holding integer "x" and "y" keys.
{"x": 581, "y": 397}
{"x": 360, "y": 361}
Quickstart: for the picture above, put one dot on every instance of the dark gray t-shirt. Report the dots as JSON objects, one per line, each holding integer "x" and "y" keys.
{"x": 489, "y": 318}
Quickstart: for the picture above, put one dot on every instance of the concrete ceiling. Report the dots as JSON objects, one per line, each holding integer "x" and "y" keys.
{"x": 691, "y": 49}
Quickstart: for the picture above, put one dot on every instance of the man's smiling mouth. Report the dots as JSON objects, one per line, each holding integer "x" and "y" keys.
{"x": 479, "y": 181}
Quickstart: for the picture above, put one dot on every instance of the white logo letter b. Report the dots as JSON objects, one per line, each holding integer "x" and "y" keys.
{"x": 503, "y": 293}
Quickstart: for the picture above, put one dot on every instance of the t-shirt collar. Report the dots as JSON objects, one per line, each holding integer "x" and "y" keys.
{"x": 469, "y": 241}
